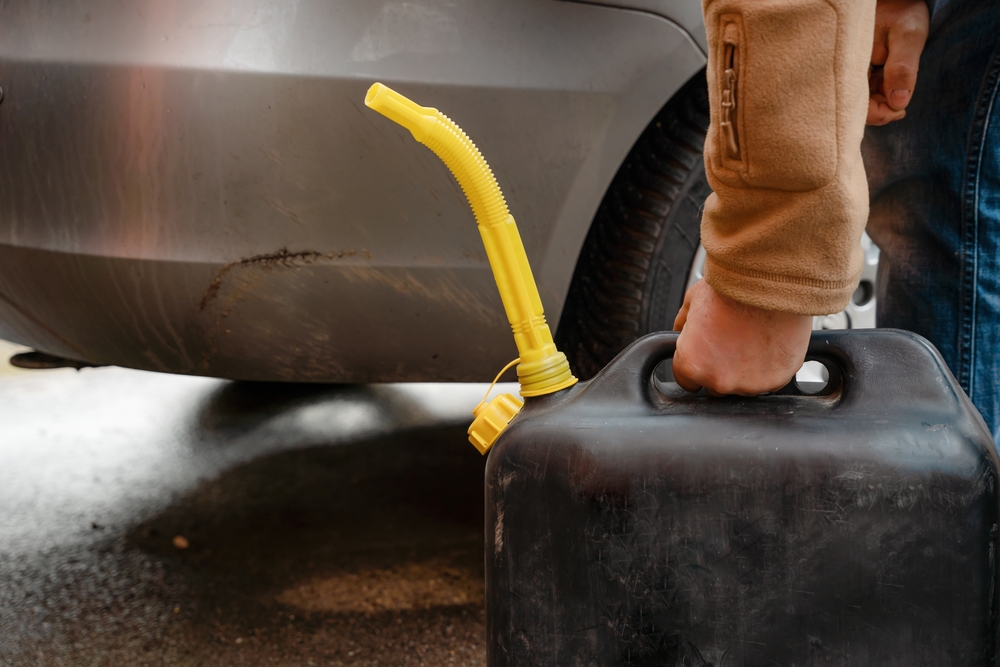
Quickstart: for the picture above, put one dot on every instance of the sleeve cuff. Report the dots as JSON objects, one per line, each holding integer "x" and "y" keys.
{"x": 785, "y": 294}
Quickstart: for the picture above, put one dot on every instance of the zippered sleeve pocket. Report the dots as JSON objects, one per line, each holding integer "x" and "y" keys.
{"x": 730, "y": 69}
{"x": 774, "y": 87}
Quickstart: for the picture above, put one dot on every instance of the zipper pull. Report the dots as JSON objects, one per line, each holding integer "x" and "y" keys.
{"x": 729, "y": 104}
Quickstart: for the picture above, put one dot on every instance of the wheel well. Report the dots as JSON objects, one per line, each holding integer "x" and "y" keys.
{"x": 617, "y": 283}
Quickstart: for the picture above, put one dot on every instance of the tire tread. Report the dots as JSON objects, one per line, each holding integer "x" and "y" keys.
{"x": 605, "y": 309}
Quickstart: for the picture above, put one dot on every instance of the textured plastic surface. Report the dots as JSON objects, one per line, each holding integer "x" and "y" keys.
{"x": 543, "y": 369}
{"x": 629, "y": 524}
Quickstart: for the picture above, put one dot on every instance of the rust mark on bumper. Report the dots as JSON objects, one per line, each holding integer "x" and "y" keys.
{"x": 280, "y": 259}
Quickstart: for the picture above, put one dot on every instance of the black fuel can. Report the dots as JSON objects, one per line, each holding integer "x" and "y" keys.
{"x": 631, "y": 523}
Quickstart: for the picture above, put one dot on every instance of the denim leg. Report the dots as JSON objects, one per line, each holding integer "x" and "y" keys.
{"x": 935, "y": 196}
{"x": 979, "y": 337}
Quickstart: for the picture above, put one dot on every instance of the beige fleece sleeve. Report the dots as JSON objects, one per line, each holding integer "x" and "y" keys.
{"x": 788, "y": 90}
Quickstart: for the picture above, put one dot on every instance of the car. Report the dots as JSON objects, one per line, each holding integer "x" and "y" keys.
{"x": 198, "y": 188}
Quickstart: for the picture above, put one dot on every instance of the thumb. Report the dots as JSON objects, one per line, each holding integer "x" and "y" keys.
{"x": 680, "y": 369}
{"x": 682, "y": 315}
{"x": 906, "y": 41}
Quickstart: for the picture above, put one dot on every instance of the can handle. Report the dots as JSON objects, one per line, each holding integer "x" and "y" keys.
{"x": 658, "y": 348}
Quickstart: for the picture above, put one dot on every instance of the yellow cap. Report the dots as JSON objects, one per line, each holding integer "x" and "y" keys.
{"x": 543, "y": 369}
{"x": 491, "y": 420}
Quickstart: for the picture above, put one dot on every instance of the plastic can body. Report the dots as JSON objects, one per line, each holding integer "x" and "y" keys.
{"x": 628, "y": 524}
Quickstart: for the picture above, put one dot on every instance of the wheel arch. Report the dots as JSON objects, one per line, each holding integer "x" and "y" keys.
{"x": 633, "y": 111}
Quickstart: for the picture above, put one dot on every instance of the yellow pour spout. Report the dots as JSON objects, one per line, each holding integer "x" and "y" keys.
{"x": 543, "y": 369}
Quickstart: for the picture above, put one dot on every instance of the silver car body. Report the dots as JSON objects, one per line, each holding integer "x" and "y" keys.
{"x": 196, "y": 186}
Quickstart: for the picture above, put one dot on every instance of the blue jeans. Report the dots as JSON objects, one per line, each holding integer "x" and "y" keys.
{"x": 935, "y": 201}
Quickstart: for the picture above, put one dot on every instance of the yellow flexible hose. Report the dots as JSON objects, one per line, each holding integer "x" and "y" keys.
{"x": 543, "y": 368}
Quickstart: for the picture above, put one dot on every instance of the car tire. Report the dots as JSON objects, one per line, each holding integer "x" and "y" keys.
{"x": 635, "y": 263}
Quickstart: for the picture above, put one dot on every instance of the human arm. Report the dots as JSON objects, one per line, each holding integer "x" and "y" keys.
{"x": 732, "y": 347}
{"x": 783, "y": 226}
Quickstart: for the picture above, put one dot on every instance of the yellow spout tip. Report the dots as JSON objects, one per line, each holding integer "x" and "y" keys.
{"x": 401, "y": 109}
{"x": 374, "y": 91}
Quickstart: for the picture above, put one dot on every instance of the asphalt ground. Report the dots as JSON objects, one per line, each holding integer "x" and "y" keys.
{"x": 150, "y": 519}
